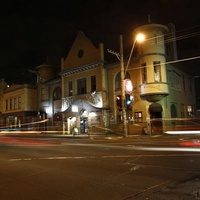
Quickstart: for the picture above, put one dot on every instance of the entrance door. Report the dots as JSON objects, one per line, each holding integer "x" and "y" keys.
{"x": 84, "y": 125}
{"x": 155, "y": 111}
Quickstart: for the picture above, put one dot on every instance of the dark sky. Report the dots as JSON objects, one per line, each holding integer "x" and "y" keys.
{"x": 31, "y": 31}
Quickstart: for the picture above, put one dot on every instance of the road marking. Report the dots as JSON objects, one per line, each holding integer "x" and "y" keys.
{"x": 99, "y": 157}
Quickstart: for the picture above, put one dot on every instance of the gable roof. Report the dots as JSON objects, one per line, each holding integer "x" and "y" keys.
{"x": 82, "y": 53}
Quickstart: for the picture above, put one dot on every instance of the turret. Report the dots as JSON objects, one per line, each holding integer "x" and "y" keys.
{"x": 46, "y": 72}
{"x": 153, "y": 80}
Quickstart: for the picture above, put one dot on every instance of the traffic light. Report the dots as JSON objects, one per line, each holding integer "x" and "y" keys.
{"x": 119, "y": 102}
{"x": 128, "y": 101}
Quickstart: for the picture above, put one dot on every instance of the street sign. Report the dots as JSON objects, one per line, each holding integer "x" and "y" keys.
{"x": 128, "y": 86}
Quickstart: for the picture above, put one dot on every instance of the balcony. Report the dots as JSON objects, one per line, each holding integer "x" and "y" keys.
{"x": 153, "y": 92}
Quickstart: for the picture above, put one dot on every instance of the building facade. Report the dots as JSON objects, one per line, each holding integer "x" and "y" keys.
{"x": 49, "y": 97}
{"x": 19, "y": 106}
{"x": 86, "y": 97}
{"x": 91, "y": 88}
{"x": 84, "y": 88}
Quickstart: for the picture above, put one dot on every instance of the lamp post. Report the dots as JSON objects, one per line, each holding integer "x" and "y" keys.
{"x": 125, "y": 129}
{"x": 140, "y": 37}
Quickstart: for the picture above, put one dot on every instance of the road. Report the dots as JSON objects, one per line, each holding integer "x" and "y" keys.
{"x": 41, "y": 168}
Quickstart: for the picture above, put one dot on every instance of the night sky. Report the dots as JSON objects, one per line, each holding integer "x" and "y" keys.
{"x": 32, "y": 31}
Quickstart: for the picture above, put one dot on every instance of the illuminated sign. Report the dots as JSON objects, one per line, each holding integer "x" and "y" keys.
{"x": 128, "y": 86}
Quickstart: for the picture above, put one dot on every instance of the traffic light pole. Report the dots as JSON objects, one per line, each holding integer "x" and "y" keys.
{"x": 123, "y": 88}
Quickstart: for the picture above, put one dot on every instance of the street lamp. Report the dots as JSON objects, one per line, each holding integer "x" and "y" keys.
{"x": 139, "y": 38}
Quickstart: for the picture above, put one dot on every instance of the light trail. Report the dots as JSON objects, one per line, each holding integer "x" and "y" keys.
{"x": 101, "y": 157}
{"x": 183, "y": 132}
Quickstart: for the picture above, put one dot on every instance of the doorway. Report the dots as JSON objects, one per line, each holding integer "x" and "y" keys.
{"x": 84, "y": 124}
{"x": 155, "y": 110}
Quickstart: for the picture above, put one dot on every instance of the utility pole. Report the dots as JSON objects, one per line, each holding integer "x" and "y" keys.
{"x": 123, "y": 88}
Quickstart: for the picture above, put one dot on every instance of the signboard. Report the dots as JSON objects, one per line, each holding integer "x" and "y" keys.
{"x": 128, "y": 86}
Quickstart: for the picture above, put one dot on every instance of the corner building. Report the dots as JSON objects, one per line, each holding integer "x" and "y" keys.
{"x": 85, "y": 105}
{"x": 91, "y": 86}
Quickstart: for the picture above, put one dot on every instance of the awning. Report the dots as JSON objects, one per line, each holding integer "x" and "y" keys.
{"x": 155, "y": 107}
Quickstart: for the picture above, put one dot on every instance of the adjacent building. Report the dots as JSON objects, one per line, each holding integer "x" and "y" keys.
{"x": 19, "y": 106}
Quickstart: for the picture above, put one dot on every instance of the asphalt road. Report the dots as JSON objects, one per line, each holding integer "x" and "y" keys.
{"x": 42, "y": 168}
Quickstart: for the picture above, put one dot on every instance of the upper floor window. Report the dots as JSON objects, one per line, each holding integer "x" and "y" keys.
{"x": 6, "y": 104}
{"x": 93, "y": 83}
{"x": 144, "y": 73}
{"x": 183, "y": 80}
{"x": 57, "y": 93}
{"x": 190, "y": 85}
{"x": 19, "y": 102}
{"x": 42, "y": 94}
{"x": 70, "y": 88}
{"x": 10, "y": 104}
{"x": 15, "y": 103}
{"x": 81, "y": 86}
{"x": 157, "y": 71}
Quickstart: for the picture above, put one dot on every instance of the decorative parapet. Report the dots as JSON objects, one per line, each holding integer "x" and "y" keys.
{"x": 94, "y": 99}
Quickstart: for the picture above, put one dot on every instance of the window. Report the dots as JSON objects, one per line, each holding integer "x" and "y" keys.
{"x": 70, "y": 88}
{"x": 19, "y": 102}
{"x": 42, "y": 94}
{"x": 183, "y": 79}
{"x": 144, "y": 73}
{"x": 6, "y": 104}
{"x": 57, "y": 93}
{"x": 138, "y": 117}
{"x": 190, "y": 110}
{"x": 93, "y": 83}
{"x": 118, "y": 82}
{"x": 81, "y": 86}
{"x": 173, "y": 111}
{"x": 10, "y": 104}
{"x": 157, "y": 71}
{"x": 190, "y": 85}
{"x": 15, "y": 103}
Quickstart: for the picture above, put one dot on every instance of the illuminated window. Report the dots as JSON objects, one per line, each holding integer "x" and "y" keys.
{"x": 138, "y": 117}
{"x": 157, "y": 71}
{"x": 70, "y": 88}
{"x": 93, "y": 83}
{"x": 19, "y": 102}
{"x": 144, "y": 73}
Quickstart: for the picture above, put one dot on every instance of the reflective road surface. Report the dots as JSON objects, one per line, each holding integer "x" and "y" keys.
{"x": 43, "y": 167}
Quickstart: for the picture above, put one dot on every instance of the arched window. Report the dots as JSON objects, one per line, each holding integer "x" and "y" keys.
{"x": 173, "y": 111}
{"x": 118, "y": 80}
{"x": 57, "y": 93}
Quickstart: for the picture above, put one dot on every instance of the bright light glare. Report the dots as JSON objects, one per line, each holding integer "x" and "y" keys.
{"x": 183, "y": 132}
{"x": 140, "y": 37}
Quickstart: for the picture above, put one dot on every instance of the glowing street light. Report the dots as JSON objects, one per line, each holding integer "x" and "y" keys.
{"x": 139, "y": 38}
